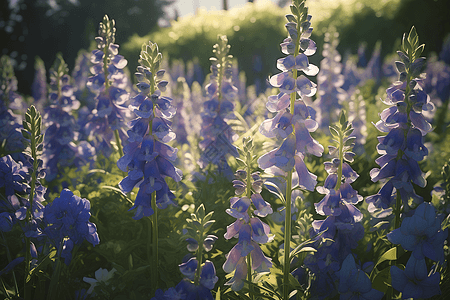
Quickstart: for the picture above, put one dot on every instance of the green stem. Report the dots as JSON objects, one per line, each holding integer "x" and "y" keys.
{"x": 119, "y": 144}
{"x": 287, "y": 237}
{"x": 52, "y": 290}
{"x": 200, "y": 261}
{"x": 249, "y": 195}
{"x": 29, "y": 215}
{"x": 105, "y": 65}
{"x": 249, "y": 275}
{"x": 155, "y": 241}
{"x": 341, "y": 160}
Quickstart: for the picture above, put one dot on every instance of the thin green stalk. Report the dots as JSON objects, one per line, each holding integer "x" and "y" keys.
{"x": 249, "y": 195}
{"x": 155, "y": 241}
{"x": 287, "y": 237}
{"x": 118, "y": 143}
{"x": 5, "y": 291}
{"x": 29, "y": 215}
{"x": 52, "y": 290}
{"x": 341, "y": 161}
{"x": 200, "y": 261}
{"x": 287, "y": 219}
{"x": 249, "y": 275}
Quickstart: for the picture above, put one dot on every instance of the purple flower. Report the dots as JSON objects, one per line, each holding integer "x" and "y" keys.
{"x": 218, "y": 137}
{"x": 421, "y": 233}
{"x": 354, "y": 283}
{"x": 414, "y": 281}
{"x": 67, "y": 217}
{"x": 147, "y": 159}
{"x": 250, "y": 230}
{"x": 402, "y": 148}
{"x": 329, "y": 82}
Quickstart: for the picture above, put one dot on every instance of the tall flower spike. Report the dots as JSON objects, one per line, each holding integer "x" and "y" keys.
{"x": 108, "y": 83}
{"x": 10, "y": 137}
{"x": 402, "y": 148}
{"x": 218, "y": 137}
{"x": 60, "y": 150}
{"x": 329, "y": 82}
{"x": 147, "y": 158}
{"x": 293, "y": 122}
{"x": 32, "y": 134}
{"x": 343, "y": 222}
{"x": 246, "y": 257}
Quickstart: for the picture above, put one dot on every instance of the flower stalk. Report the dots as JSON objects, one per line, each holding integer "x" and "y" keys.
{"x": 31, "y": 133}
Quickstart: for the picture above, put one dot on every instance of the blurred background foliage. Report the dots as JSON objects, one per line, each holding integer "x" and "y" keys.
{"x": 254, "y": 31}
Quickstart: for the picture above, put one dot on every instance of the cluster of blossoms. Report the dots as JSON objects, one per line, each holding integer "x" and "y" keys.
{"x": 402, "y": 148}
{"x": 200, "y": 278}
{"x": 422, "y": 235}
{"x": 63, "y": 223}
{"x": 67, "y": 223}
{"x": 293, "y": 123}
{"x": 329, "y": 82}
{"x": 218, "y": 137}
{"x": 250, "y": 230}
{"x": 60, "y": 150}
{"x": 147, "y": 158}
{"x": 10, "y": 136}
{"x": 108, "y": 83}
{"x": 437, "y": 85}
{"x": 343, "y": 223}
{"x": 354, "y": 282}
{"x": 13, "y": 180}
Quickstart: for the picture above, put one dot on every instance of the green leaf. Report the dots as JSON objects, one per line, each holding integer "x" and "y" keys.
{"x": 334, "y": 131}
{"x": 279, "y": 193}
{"x": 26, "y": 134}
{"x": 389, "y": 255}
{"x": 382, "y": 280}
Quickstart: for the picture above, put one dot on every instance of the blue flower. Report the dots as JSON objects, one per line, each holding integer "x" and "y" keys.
{"x": 108, "y": 83}
{"x": 402, "y": 148}
{"x": 421, "y": 233}
{"x": 414, "y": 281}
{"x": 250, "y": 230}
{"x": 147, "y": 159}
{"x": 68, "y": 217}
{"x": 354, "y": 283}
{"x": 329, "y": 82}
{"x": 12, "y": 176}
{"x": 218, "y": 137}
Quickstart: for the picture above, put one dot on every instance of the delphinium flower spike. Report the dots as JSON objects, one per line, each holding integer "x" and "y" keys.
{"x": 67, "y": 225}
{"x": 402, "y": 148}
{"x": 246, "y": 257}
{"x": 60, "y": 150}
{"x": 199, "y": 277}
{"x": 218, "y": 137}
{"x": 147, "y": 158}
{"x": 34, "y": 144}
{"x": 293, "y": 123}
{"x": 108, "y": 83}
{"x": 329, "y": 82}
{"x": 343, "y": 223}
{"x": 416, "y": 226}
{"x": 10, "y": 137}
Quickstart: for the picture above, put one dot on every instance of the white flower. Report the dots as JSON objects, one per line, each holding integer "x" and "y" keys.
{"x": 101, "y": 275}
